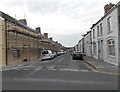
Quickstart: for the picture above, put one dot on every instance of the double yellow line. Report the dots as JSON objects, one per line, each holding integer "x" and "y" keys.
{"x": 99, "y": 71}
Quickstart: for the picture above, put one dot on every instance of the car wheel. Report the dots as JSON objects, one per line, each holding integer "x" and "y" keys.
{"x": 50, "y": 58}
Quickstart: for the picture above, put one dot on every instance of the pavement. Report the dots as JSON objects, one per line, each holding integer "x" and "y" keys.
{"x": 17, "y": 65}
{"x": 101, "y": 66}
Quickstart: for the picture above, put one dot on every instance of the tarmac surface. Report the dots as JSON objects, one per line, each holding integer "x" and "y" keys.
{"x": 60, "y": 73}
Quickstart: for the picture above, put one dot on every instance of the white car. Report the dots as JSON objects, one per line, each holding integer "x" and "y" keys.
{"x": 47, "y": 54}
{"x": 54, "y": 54}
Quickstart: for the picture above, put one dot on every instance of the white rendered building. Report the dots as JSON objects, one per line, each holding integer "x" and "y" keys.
{"x": 105, "y": 36}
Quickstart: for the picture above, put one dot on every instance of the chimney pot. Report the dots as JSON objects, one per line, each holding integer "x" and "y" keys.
{"x": 46, "y": 35}
{"x": 107, "y": 7}
{"x": 38, "y": 30}
{"x": 24, "y": 21}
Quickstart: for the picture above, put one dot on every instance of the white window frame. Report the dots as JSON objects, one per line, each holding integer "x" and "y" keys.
{"x": 98, "y": 31}
{"x": 101, "y": 29}
{"x": 93, "y": 33}
{"x": 111, "y": 43}
{"x": 109, "y": 24}
{"x": 94, "y": 48}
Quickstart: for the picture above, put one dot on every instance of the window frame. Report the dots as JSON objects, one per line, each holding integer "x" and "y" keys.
{"x": 16, "y": 53}
{"x": 109, "y": 24}
{"x": 101, "y": 29}
{"x": 111, "y": 44}
{"x": 93, "y": 33}
{"x": 98, "y": 31}
{"x": 94, "y": 48}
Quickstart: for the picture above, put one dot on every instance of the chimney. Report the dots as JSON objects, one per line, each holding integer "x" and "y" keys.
{"x": 38, "y": 30}
{"x": 51, "y": 38}
{"x": 46, "y": 35}
{"x": 107, "y": 7}
{"x": 24, "y": 21}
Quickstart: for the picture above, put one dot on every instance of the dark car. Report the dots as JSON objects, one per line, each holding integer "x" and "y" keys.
{"x": 77, "y": 55}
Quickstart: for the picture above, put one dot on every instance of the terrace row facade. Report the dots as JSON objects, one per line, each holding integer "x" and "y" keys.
{"x": 103, "y": 40}
{"x": 19, "y": 43}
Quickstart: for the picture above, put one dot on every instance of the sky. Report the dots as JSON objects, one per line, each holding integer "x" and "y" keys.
{"x": 64, "y": 20}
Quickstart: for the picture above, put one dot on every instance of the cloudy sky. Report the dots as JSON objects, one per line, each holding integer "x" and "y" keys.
{"x": 64, "y": 20}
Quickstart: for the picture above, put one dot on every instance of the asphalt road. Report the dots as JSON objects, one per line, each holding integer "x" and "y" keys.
{"x": 60, "y": 73}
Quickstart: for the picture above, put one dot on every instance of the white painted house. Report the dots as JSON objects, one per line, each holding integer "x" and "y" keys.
{"x": 80, "y": 46}
{"x": 105, "y": 36}
{"x": 87, "y": 44}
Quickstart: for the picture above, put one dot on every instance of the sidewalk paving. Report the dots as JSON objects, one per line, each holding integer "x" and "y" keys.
{"x": 101, "y": 65}
{"x": 16, "y": 65}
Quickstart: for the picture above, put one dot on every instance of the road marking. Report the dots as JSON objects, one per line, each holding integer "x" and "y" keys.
{"x": 39, "y": 68}
{"x": 51, "y": 69}
{"x": 61, "y": 81}
{"x": 99, "y": 71}
{"x": 60, "y": 59}
{"x": 68, "y": 69}
{"x": 82, "y": 70}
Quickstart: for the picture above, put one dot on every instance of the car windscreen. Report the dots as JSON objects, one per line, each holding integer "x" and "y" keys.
{"x": 45, "y": 52}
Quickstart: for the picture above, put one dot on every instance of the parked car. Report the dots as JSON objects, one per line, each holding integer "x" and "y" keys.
{"x": 71, "y": 53}
{"x": 54, "y": 54}
{"x": 58, "y": 53}
{"x": 77, "y": 55}
{"x": 47, "y": 54}
{"x": 62, "y": 52}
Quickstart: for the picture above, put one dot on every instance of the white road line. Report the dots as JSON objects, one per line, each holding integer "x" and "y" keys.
{"x": 61, "y": 81}
{"x": 60, "y": 59}
{"x": 82, "y": 70}
{"x": 39, "y": 68}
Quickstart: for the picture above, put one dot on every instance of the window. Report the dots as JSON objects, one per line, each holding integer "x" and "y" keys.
{"x": 109, "y": 24}
{"x": 98, "y": 31}
{"x": 16, "y": 53}
{"x": 111, "y": 47}
{"x": 93, "y": 33}
{"x": 45, "y": 52}
{"x": 94, "y": 48}
{"x": 15, "y": 35}
{"x": 101, "y": 29}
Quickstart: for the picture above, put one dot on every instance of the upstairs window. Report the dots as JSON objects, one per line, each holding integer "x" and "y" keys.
{"x": 98, "y": 31}
{"x": 101, "y": 29}
{"x": 109, "y": 24}
{"x": 94, "y": 49}
{"x": 93, "y": 33}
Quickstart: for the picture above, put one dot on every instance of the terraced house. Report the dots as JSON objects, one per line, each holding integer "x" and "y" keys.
{"x": 103, "y": 40}
{"x": 19, "y": 43}
{"x": 106, "y": 35}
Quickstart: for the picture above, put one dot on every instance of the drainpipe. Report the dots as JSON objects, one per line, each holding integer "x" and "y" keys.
{"x": 6, "y": 41}
{"x": 118, "y": 35}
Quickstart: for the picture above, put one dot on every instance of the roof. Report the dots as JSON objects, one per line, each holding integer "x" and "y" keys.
{"x": 113, "y": 8}
{"x": 13, "y": 20}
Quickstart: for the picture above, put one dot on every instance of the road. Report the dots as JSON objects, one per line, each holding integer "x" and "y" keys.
{"x": 60, "y": 73}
